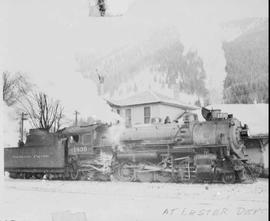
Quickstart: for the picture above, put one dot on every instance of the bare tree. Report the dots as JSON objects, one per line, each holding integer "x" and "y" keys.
{"x": 14, "y": 87}
{"x": 43, "y": 112}
{"x": 57, "y": 124}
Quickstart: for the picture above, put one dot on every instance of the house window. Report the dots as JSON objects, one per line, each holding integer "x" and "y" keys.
{"x": 128, "y": 117}
{"x": 118, "y": 111}
{"x": 147, "y": 115}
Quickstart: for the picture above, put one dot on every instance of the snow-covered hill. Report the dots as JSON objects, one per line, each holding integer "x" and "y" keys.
{"x": 136, "y": 68}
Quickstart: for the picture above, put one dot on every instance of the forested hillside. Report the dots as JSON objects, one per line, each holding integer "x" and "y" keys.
{"x": 247, "y": 65}
{"x": 163, "y": 56}
{"x": 166, "y": 63}
{"x": 185, "y": 71}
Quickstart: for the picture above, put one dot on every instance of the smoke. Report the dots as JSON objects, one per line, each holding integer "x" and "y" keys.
{"x": 44, "y": 39}
{"x": 10, "y": 126}
{"x": 77, "y": 93}
{"x": 115, "y": 132}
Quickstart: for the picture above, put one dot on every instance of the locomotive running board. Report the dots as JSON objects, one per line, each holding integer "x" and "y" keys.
{"x": 188, "y": 148}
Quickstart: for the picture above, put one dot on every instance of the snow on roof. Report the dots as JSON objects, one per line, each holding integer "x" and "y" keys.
{"x": 254, "y": 115}
{"x": 149, "y": 97}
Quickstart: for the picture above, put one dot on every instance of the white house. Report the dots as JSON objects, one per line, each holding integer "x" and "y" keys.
{"x": 146, "y": 107}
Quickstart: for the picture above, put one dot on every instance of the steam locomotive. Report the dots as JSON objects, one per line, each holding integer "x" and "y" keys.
{"x": 185, "y": 151}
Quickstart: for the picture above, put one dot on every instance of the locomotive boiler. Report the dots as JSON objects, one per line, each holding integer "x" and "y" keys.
{"x": 186, "y": 151}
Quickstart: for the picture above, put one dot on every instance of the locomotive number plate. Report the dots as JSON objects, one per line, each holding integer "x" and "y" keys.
{"x": 79, "y": 149}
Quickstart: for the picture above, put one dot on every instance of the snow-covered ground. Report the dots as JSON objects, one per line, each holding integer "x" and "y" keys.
{"x": 32, "y": 200}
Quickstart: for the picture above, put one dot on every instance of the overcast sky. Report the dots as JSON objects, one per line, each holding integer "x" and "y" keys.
{"x": 38, "y": 28}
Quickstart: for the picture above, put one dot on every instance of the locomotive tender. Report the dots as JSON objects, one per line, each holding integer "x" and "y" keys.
{"x": 66, "y": 154}
{"x": 186, "y": 151}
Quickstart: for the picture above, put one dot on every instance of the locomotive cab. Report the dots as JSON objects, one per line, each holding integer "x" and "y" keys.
{"x": 89, "y": 151}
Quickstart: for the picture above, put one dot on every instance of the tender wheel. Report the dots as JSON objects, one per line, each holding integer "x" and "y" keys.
{"x": 74, "y": 175}
{"x": 124, "y": 172}
{"x": 28, "y": 176}
{"x": 38, "y": 176}
{"x": 228, "y": 178}
{"x": 13, "y": 175}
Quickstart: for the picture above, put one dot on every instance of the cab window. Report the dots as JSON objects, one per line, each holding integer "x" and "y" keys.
{"x": 74, "y": 139}
{"x": 87, "y": 139}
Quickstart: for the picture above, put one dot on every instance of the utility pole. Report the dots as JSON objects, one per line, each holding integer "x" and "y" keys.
{"x": 76, "y": 117}
{"x": 23, "y": 118}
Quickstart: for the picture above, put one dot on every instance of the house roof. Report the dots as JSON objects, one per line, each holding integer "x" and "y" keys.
{"x": 150, "y": 97}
